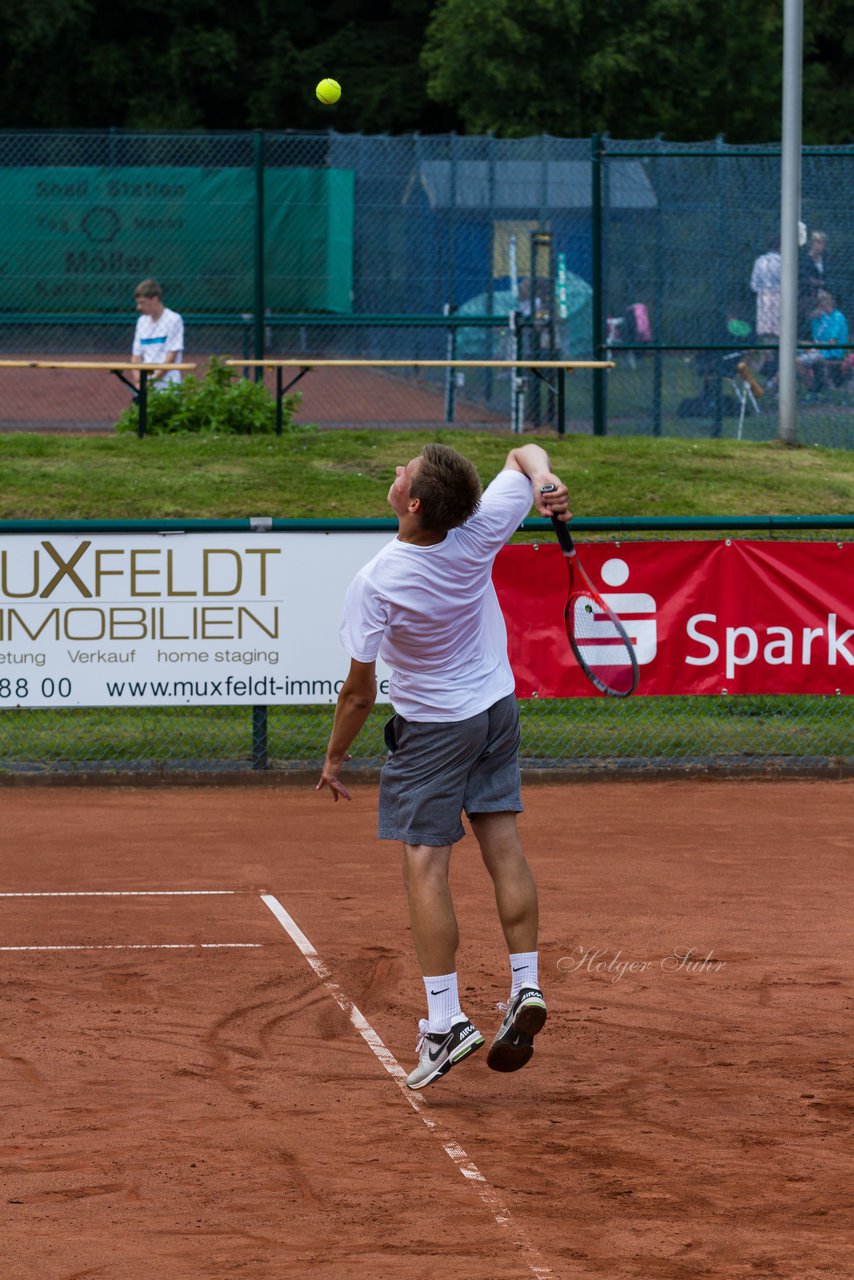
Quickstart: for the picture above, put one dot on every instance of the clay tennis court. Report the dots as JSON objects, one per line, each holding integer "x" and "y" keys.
{"x": 188, "y": 1094}
{"x": 92, "y": 401}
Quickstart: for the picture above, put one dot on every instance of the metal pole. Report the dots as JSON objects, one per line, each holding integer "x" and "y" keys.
{"x": 790, "y": 206}
{"x": 450, "y": 372}
{"x": 454, "y": 214}
{"x": 534, "y": 260}
{"x": 142, "y": 422}
{"x": 247, "y": 340}
{"x": 260, "y": 755}
{"x": 720, "y": 290}
{"x": 659, "y": 320}
{"x": 599, "y": 426}
{"x": 259, "y": 251}
{"x": 517, "y": 379}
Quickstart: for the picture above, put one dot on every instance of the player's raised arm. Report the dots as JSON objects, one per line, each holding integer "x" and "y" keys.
{"x": 551, "y": 497}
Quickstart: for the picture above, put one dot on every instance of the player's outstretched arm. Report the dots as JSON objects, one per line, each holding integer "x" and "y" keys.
{"x": 533, "y": 461}
{"x": 355, "y": 701}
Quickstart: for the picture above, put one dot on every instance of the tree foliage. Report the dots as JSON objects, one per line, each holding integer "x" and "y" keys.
{"x": 685, "y": 68}
{"x": 209, "y": 64}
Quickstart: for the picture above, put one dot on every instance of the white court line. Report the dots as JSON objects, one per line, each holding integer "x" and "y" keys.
{"x": 135, "y": 946}
{"x": 140, "y": 946}
{"x": 467, "y": 1167}
{"x": 129, "y": 893}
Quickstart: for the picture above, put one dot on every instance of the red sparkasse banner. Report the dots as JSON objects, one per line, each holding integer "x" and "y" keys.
{"x": 705, "y": 617}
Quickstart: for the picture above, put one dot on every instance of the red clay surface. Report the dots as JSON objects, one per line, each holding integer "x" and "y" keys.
{"x": 196, "y": 1114}
{"x": 92, "y": 400}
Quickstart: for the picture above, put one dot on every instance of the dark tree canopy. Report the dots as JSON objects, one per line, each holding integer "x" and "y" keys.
{"x": 688, "y": 70}
{"x": 208, "y": 64}
{"x": 685, "y": 68}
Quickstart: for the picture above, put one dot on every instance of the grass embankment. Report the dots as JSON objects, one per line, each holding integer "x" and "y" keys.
{"x": 346, "y": 473}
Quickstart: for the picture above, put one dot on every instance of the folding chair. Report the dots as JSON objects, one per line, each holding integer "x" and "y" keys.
{"x": 747, "y": 390}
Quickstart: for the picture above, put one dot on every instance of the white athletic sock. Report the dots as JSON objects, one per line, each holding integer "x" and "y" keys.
{"x": 443, "y": 1001}
{"x": 523, "y": 971}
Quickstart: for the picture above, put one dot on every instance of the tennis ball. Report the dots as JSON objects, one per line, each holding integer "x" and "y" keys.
{"x": 328, "y": 91}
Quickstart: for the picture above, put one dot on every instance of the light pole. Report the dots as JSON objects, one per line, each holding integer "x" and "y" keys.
{"x": 790, "y": 205}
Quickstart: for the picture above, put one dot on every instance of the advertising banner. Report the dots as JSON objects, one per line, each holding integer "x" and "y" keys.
{"x": 175, "y": 619}
{"x": 131, "y": 619}
{"x": 705, "y": 617}
{"x": 79, "y": 238}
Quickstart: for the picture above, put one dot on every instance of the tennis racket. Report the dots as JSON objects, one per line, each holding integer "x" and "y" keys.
{"x": 596, "y": 636}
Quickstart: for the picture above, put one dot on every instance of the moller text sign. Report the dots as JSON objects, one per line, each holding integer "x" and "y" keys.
{"x": 78, "y": 237}
{"x": 175, "y": 619}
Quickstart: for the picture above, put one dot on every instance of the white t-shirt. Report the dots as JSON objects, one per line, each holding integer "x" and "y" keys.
{"x": 154, "y": 339}
{"x": 432, "y": 615}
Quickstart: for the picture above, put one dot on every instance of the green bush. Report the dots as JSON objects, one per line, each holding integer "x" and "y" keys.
{"x": 221, "y": 403}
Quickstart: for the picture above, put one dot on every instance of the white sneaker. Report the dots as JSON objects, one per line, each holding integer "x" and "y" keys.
{"x": 440, "y": 1050}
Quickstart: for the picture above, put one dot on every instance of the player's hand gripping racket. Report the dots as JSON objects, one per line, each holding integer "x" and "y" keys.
{"x": 597, "y": 637}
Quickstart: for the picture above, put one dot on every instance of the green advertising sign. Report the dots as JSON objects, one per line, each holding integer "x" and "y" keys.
{"x": 80, "y": 239}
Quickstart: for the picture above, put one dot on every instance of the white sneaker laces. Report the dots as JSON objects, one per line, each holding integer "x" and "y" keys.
{"x": 423, "y": 1028}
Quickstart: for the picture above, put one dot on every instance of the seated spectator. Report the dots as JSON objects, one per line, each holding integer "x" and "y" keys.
{"x": 159, "y": 334}
{"x": 812, "y": 276}
{"x": 828, "y": 325}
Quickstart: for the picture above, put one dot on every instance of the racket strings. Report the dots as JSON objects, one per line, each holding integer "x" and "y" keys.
{"x": 600, "y": 643}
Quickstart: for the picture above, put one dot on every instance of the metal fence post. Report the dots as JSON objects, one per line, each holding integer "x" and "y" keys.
{"x": 260, "y": 757}
{"x": 450, "y": 373}
{"x": 719, "y": 286}
{"x": 142, "y": 421}
{"x": 517, "y": 380}
{"x": 596, "y": 158}
{"x": 259, "y": 251}
{"x": 658, "y": 314}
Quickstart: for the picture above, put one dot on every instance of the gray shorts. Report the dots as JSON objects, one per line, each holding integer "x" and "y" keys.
{"x": 436, "y": 771}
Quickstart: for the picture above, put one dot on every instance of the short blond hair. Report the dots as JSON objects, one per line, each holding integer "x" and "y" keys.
{"x": 148, "y": 289}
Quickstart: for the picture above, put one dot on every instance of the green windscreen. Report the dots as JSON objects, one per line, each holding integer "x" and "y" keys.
{"x": 80, "y": 239}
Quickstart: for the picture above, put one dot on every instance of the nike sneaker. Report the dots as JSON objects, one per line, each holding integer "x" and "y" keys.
{"x": 513, "y": 1045}
{"x": 438, "y": 1051}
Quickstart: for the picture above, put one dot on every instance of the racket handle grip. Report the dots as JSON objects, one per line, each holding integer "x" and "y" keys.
{"x": 563, "y": 535}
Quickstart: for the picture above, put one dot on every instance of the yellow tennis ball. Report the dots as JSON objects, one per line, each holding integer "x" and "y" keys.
{"x": 328, "y": 91}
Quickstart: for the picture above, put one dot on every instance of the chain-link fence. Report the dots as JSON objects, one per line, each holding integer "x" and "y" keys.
{"x": 336, "y": 245}
{"x": 691, "y": 287}
{"x": 733, "y": 735}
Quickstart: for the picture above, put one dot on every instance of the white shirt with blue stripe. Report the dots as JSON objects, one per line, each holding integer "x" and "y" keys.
{"x": 155, "y": 339}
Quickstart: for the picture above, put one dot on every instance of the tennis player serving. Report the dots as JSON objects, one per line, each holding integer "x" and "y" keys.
{"x": 427, "y": 606}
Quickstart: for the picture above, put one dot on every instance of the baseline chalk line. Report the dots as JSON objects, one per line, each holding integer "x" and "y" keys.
{"x": 469, "y": 1170}
{"x": 141, "y": 946}
{"x": 129, "y": 893}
